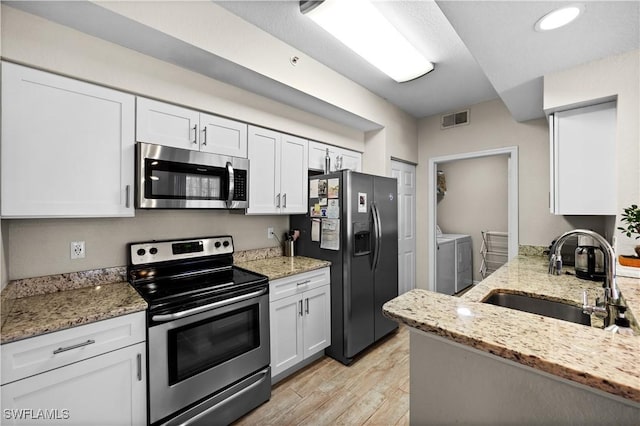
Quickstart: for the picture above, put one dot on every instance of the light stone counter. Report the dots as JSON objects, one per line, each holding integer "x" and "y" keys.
{"x": 587, "y": 355}
{"x": 282, "y": 266}
{"x": 35, "y": 306}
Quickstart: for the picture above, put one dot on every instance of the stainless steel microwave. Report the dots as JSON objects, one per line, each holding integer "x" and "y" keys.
{"x": 174, "y": 178}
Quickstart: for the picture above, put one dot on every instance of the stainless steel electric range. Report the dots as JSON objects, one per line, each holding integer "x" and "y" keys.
{"x": 208, "y": 330}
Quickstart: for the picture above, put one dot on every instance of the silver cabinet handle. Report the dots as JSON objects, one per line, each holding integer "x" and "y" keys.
{"x": 284, "y": 201}
{"x": 195, "y": 134}
{"x": 300, "y": 312}
{"x": 79, "y": 345}
{"x": 127, "y": 190}
{"x": 307, "y": 303}
{"x": 204, "y": 132}
{"x": 139, "y": 363}
{"x": 278, "y": 200}
{"x": 304, "y": 282}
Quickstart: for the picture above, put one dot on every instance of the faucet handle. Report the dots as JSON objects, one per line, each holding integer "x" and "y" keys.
{"x": 555, "y": 264}
{"x": 596, "y": 310}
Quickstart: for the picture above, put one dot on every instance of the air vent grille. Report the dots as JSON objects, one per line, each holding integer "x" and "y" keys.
{"x": 454, "y": 119}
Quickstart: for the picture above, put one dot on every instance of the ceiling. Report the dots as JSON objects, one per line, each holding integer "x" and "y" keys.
{"x": 481, "y": 49}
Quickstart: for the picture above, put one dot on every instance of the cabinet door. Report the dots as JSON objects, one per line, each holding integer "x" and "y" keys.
{"x": 317, "y": 152}
{"x": 351, "y": 160}
{"x": 316, "y": 320}
{"x": 165, "y": 124}
{"x": 264, "y": 171}
{"x": 293, "y": 174}
{"x": 285, "y": 318}
{"x": 223, "y": 136}
{"x": 107, "y": 389}
{"x": 67, "y": 147}
{"x": 583, "y": 179}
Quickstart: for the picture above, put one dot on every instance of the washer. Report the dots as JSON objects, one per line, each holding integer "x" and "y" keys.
{"x": 454, "y": 263}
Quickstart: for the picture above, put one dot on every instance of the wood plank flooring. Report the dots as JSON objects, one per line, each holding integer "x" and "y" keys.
{"x": 374, "y": 390}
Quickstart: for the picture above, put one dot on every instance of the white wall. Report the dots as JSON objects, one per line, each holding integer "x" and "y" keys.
{"x": 491, "y": 126}
{"x": 41, "y": 247}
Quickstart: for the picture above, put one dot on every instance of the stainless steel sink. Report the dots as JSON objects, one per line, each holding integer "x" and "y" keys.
{"x": 539, "y": 306}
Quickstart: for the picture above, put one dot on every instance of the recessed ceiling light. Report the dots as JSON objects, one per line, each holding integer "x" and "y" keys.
{"x": 362, "y": 27}
{"x": 559, "y": 17}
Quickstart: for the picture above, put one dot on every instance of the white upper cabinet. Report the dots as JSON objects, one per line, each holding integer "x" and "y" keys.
{"x": 67, "y": 147}
{"x": 277, "y": 172}
{"x": 171, "y": 125}
{"x": 351, "y": 160}
{"x": 582, "y": 153}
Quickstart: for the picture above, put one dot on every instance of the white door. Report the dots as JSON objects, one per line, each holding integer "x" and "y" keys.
{"x": 165, "y": 124}
{"x": 285, "y": 318}
{"x": 67, "y": 146}
{"x": 293, "y": 174}
{"x": 406, "y": 176}
{"x": 264, "y": 171}
{"x": 223, "y": 136}
{"x": 316, "y": 320}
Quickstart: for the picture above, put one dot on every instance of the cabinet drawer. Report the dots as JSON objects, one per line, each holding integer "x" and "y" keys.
{"x": 42, "y": 353}
{"x": 298, "y": 283}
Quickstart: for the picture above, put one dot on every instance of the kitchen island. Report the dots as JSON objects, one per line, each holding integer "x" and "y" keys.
{"x": 473, "y": 362}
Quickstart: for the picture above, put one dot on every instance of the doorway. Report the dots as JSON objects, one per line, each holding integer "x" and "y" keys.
{"x": 512, "y": 201}
{"x": 405, "y": 173}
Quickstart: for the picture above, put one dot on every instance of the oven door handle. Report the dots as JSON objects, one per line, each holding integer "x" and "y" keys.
{"x": 199, "y": 309}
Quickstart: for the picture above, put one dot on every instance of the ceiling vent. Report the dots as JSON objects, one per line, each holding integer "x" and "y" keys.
{"x": 454, "y": 119}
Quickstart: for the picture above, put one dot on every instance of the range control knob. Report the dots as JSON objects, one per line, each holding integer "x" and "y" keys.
{"x": 217, "y": 244}
{"x": 225, "y": 243}
{"x": 141, "y": 252}
{"x": 153, "y": 250}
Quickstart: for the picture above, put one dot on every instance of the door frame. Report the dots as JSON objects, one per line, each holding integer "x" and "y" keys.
{"x": 512, "y": 201}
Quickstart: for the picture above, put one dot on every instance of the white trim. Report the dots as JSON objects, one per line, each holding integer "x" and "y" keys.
{"x": 512, "y": 201}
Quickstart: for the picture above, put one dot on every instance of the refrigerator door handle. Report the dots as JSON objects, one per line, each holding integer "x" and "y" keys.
{"x": 377, "y": 234}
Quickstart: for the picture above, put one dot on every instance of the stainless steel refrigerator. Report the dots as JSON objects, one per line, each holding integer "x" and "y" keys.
{"x": 353, "y": 222}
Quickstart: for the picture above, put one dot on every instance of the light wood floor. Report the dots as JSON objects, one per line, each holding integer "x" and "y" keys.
{"x": 374, "y": 390}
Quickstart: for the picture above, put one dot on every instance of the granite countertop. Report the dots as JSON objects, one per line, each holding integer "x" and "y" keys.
{"x": 42, "y": 305}
{"x": 35, "y": 306}
{"x": 591, "y": 356}
{"x": 282, "y": 266}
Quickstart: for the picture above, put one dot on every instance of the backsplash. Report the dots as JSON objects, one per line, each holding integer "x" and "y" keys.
{"x": 524, "y": 250}
{"x": 26, "y": 287}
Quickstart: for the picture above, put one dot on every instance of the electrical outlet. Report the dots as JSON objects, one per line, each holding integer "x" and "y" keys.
{"x": 270, "y": 233}
{"x": 77, "y": 250}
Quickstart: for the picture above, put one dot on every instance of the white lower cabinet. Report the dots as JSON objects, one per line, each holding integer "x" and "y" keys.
{"x": 83, "y": 380}
{"x": 300, "y": 318}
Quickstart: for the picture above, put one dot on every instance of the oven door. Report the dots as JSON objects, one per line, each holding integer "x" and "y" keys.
{"x": 198, "y": 355}
{"x": 170, "y": 177}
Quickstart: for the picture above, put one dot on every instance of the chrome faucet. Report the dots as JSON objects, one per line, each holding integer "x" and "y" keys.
{"x": 611, "y": 292}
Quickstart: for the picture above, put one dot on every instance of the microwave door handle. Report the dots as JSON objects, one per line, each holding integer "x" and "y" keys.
{"x": 231, "y": 187}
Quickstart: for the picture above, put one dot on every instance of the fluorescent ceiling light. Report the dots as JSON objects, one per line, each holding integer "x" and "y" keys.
{"x": 558, "y": 18}
{"x": 362, "y": 28}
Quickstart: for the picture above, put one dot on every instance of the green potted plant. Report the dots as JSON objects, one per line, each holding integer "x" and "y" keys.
{"x": 631, "y": 216}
